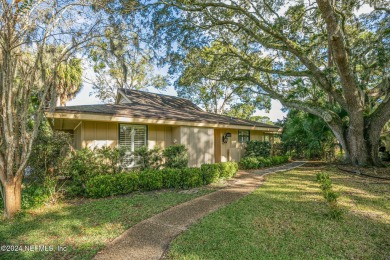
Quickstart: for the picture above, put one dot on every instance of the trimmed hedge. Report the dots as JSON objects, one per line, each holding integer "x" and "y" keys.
{"x": 211, "y": 173}
{"x": 112, "y": 184}
{"x": 151, "y": 180}
{"x": 172, "y": 178}
{"x": 123, "y": 183}
{"x": 191, "y": 177}
{"x": 227, "y": 169}
{"x": 260, "y": 162}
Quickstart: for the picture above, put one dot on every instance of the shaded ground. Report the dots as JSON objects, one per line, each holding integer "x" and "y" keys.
{"x": 382, "y": 172}
{"x": 287, "y": 218}
{"x": 84, "y": 228}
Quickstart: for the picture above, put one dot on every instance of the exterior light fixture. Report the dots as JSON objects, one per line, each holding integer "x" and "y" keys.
{"x": 225, "y": 137}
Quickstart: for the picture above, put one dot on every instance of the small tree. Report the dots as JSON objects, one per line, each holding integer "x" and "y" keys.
{"x": 37, "y": 41}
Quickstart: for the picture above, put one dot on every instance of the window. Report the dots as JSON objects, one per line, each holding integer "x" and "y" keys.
{"x": 131, "y": 137}
{"x": 243, "y": 136}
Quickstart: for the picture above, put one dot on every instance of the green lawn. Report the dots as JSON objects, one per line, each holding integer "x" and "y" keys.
{"x": 85, "y": 228}
{"x": 286, "y": 218}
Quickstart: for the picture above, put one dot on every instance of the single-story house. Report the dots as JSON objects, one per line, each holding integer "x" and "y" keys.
{"x": 141, "y": 118}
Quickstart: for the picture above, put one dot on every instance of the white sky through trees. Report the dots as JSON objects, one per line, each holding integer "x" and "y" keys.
{"x": 86, "y": 96}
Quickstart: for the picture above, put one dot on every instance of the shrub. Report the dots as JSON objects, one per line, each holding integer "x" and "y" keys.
{"x": 247, "y": 163}
{"x": 330, "y": 196}
{"x": 171, "y": 178}
{"x": 34, "y": 195}
{"x": 84, "y": 165}
{"x": 100, "y": 186}
{"x": 191, "y": 177}
{"x": 227, "y": 169}
{"x": 148, "y": 158}
{"x": 211, "y": 173}
{"x": 321, "y": 176}
{"x": 276, "y": 160}
{"x": 326, "y": 185}
{"x": 264, "y": 162}
{"x": 176, "y": 156}
{"x": 259, "y": 162}
{"x": 50, "y": 150}
{"x": 73, "y": 190}
{"x": 111, "y": 158}
{"x": 256, "y": 148}
{"x": 235, "y": 167}
{"x": 151, "y": 180}
{"x": 109, "y": 185}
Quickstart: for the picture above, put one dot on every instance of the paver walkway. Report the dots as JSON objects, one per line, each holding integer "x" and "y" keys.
{"x": 150, "y": 238}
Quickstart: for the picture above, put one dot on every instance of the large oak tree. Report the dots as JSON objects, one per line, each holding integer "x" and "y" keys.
{"x": 322, "y": 57}
{"x": 199, "y": 81}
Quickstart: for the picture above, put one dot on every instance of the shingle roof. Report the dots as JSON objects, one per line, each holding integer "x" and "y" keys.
{"x": 156, "y": 106}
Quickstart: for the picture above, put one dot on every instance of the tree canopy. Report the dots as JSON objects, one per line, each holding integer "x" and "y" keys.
{"x": 198, "y": 83}
{"x": 322, "y": 57}
{"x": 307, "y": 136}
{"x": 121, "y": 60}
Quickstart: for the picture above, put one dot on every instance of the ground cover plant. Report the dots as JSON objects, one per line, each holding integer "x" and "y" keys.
{"x": 287, "y": 218}
{"x": 84, "y": 226}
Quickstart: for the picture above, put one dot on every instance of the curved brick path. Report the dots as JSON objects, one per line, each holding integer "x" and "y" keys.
{"x": 150, "y": 238}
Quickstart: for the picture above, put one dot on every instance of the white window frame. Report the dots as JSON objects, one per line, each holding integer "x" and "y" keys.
{"x": 130, "y": 161}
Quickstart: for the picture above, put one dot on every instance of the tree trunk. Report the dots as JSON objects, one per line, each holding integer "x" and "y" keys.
{"x": 357, "y": 149}
{"x": 12, "y": 198}
{"x": 373, "y": 135}
{"x": 364, "y": 151}
{"x": 360, "y": 147}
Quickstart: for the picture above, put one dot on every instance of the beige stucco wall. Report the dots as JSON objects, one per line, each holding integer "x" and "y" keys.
{"x": 159, "y": 136}
{"x": 202, "y": 143}
{"x": 233, "y": 150}
{"x": 199, "y": 142}
{"x": 77, "y": 137}
{"x": 99, "y": 134}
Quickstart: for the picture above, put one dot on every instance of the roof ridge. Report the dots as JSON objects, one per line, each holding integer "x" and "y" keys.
{"x": 152, "y": 93}
{"x": 124, "y": 90}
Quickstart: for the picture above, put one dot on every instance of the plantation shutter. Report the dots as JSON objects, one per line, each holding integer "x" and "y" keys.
{"x": 132, "y": 136}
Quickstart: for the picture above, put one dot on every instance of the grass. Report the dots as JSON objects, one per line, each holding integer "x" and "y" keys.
{"x": 287, "y": 218}
{"x": 85, "y": 228}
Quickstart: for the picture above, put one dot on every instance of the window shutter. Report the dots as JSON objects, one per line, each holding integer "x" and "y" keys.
{"x": 131, "y": 137}
{"x": 139, "y": 136}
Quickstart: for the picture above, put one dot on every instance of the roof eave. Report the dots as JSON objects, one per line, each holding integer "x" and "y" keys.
{"x": 125, "y": 119}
